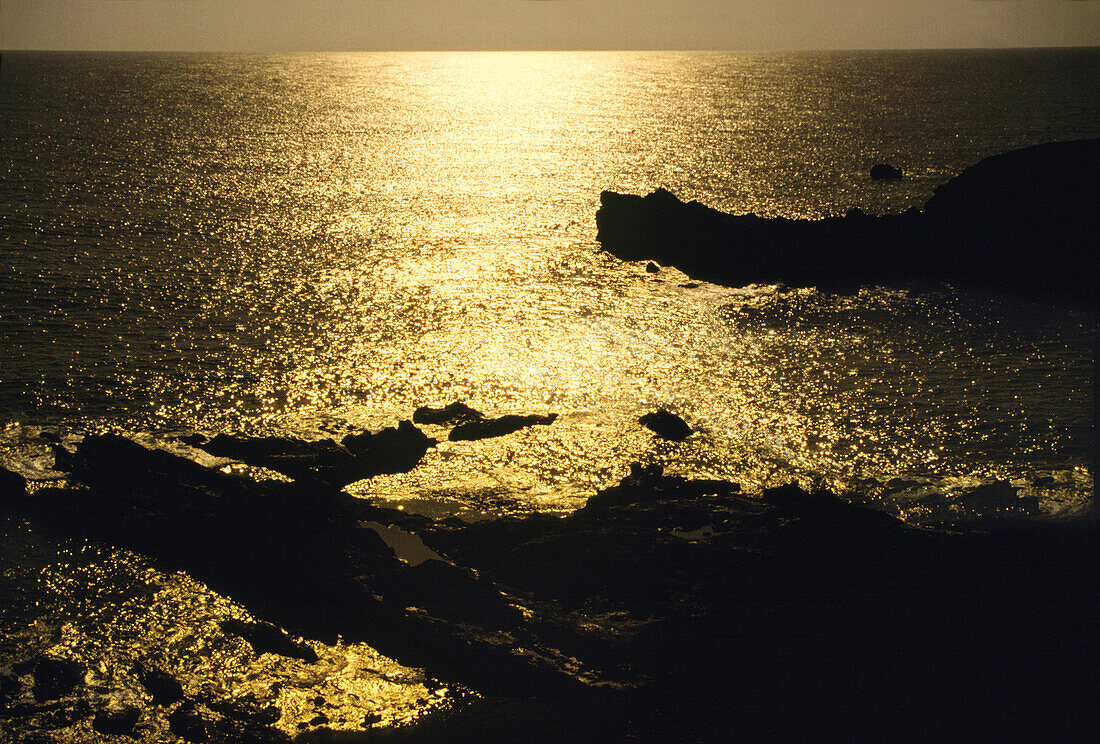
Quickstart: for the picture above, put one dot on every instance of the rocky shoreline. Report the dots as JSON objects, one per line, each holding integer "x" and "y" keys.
{"x": 664, "y": 608}
{"x": 1023, "y": 221}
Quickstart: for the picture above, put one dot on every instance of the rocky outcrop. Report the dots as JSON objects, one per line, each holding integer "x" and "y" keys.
{"x": 268, "y": 638}
{"x": 884, "y": 172}
{"x": 13, "y": 486}
{"x": 497, "y": 427}
{"x": 297, "y": 555}
{"x": 775, "y": 615}
{"x": 797, "y": 612}
{"x": 358, "y": 456}
{"x": 1023, "y": 221}
{"x": 452, "y": 413}
{"x": 666, "y": 425}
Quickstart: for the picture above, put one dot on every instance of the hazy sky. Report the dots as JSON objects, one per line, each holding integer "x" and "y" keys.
{"x": 249, "y": 25}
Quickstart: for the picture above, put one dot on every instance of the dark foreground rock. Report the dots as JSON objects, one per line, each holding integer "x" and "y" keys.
{"x": 116, "y": 721}
{"x": 665, "y": 609}
{"x": 497, "y": 427}
{"x": 296, "y": 555}
{"x": 13, "y": 486}
{"x": 798, "y": 615}
{"x": 54, "y": 678}
{"x": 1023, "y": 221}
{"x": 393, "y": 450}
{"x": 268, "y": 638}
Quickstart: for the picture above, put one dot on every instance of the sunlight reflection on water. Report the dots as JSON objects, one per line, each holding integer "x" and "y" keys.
{"x": 307, "y": 243}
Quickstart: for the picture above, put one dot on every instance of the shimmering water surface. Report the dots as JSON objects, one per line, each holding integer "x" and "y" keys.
{"x": 310, "y": 243}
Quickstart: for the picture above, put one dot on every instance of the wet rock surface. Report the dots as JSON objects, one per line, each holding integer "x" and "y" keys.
{"x": 117, "y": 722}
{"x": 665, "y": 608}
{"x": 1022, "y": 221}
{"x": 54, "y": 678}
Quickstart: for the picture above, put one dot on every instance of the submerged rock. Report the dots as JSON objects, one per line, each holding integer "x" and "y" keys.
{"x": 221, "y": 722}
{"x": 1023, "y": 221}
{"x": 193, "y": 723}
{"x": 666, "y": 425}
{"x": 496, "y": 427}
{"x": 453, "y": 413}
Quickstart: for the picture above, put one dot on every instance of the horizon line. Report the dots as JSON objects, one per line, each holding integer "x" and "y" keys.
{"x": 547, "y": 51}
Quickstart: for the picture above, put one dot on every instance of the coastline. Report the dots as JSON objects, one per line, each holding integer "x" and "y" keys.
{"x": 1022, "y": 221}
{"x": 665, "y": 606}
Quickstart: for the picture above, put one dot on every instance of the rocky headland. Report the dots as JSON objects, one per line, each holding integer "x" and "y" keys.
{"x": 1023, "y": 221}
{"x": 665, "y": 608}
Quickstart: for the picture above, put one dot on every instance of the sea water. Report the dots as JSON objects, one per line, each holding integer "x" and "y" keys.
{"x": 312, "y": 244}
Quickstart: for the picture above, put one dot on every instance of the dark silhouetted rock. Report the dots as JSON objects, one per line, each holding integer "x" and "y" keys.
{"x": 884, "y": 172}
{"x": 322, "y": 460}
{"x": 453, "y": 413}
{"x": 1023, "y": 221}
{"x": 392, "y": 450}
{"x": 162, "y": 686}
{"x": 295, "y": 554}
{"x": 193, "y": 440}
{"x": 485, "y": 428}
{"x": 12, "y": 485}
{"x": 456, "y": 593}
{"x": 10, "y": 687}
{"x": 116, "y": 722}
{"x": 647, "y": 485}
{"x": 267, "y": 638}
{"x": 54, "y": 678}
{"x": 997, "y": 495}
{"x": 666, "y": 425}
{"x": 62, "y": 458}
{"x": 789, "y": 612}
{"x": 652, "y": 268}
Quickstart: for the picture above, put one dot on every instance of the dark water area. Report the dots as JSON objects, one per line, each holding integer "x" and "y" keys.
{"x": 313, "y": 246}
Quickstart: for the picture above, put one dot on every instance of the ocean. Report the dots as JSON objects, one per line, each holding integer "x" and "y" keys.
{"x": 311, "y": 244}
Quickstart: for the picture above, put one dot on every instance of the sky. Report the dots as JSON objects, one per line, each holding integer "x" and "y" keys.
{"x": 363, "y": 25}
